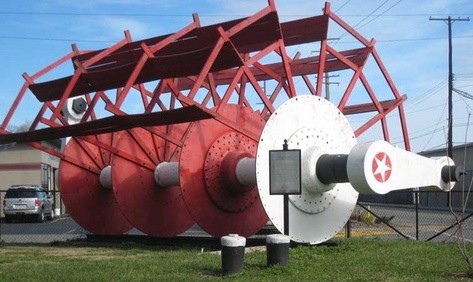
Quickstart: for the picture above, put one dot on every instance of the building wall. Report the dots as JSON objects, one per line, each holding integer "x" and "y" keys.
{"x": 20, "y": 165}
{"x": 23, "y": 164}
{"x": 463, "y": 156}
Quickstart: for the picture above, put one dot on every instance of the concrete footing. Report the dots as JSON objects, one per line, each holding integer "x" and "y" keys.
{"x": 277, "y": 249}
{"x": 233, "y": 253}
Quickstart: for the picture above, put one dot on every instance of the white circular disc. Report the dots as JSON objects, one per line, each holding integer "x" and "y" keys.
{"x": 307, "y": 122}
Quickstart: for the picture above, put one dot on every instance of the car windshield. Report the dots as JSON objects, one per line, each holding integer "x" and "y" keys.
{"x": 20, "y": 193}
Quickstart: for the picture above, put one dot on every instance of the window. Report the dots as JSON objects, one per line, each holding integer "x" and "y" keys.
{"x": 20, "y": 193}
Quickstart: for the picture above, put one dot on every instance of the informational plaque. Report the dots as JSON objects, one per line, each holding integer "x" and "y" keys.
{"x": 284, "y": 172}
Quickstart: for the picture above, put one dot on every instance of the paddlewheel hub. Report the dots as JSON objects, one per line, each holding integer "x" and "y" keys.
{"x": 219, "y": 172}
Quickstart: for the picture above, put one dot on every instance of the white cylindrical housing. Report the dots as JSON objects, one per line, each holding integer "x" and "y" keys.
{"x": 74, "y": 109}
{"x": 246, "y": 171}
{"x": 310, "y": 181}
{"x": 166, "y": 174}
{"x": 106, "y": 177}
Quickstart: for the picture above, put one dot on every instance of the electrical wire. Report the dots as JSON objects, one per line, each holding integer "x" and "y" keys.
{"x": 363, "y": 19}
{"x": 436, "y": 127}
{"x": 463, "y": 93}
{"x": 32, "y": 38}
{"x": 343, "y": 5}
{"x": 408, "y": 39}
{"x": 88, "y": 14}
{"x": 392, "y": 6}
{"x": 427, "y": 94}
{"x": 55, "y": 39}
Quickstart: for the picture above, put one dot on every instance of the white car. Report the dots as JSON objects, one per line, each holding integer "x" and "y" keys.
{"x": 27, "y": 201}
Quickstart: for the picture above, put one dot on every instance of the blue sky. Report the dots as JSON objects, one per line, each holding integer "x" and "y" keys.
{"x": 33, "y": 34}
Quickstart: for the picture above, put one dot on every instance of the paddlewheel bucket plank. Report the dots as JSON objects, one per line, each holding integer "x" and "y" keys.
{"x": 187, "y": 155}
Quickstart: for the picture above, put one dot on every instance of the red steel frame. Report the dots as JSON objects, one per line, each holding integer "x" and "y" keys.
{"x": 195, "y": 59}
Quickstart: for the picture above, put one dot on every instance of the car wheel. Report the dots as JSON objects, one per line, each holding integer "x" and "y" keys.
{"x": 52, "y": 215}
{"x": 41, "y": 216}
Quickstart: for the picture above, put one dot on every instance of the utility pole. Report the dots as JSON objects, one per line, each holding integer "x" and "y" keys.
{"x": 327, "y": 84}
{"x": 449, "y": 22}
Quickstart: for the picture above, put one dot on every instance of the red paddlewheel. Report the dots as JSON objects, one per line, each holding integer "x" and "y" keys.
{"x": 154, "y": 210}
{"x": 91, "y": 205}
{"x": 196, "y": 72}
{"x": 217, "y": 203}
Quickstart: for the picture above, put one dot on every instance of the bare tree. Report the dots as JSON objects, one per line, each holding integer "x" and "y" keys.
{"x": 25, "y": 126}
{"x": 459, "y": 216}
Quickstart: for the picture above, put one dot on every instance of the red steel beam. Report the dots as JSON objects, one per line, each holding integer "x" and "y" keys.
{"x": 216, "y": 55}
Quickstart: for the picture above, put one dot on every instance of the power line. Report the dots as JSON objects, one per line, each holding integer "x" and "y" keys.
{"x": 423, "y": 39}
{"x": 363, "y": 19}
{"x": 33, "y": 38}
{"x": 87, "y": 14}
{"x": 463, "y": 93}
{"x": 408, "y": 39}
{"x": 374, "y": 18}
{"x": 54, "y": 39}
{"x": 405, "y": 15}
{"x": 429, "y": 92}
{"x": 435, "y": 130}
{"x": 343, "y": 5}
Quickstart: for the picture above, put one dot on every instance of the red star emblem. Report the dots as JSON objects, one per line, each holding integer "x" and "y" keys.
{"x": 381, "y": 167}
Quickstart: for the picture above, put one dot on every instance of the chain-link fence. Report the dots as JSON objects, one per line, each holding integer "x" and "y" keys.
{"x": 26, "y": 229}
{"x": 417, "y": 215}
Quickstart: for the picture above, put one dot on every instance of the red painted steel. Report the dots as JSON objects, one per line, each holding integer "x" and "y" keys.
{"x": 92, "y": 206}
{"x": 207, "y": 69}
{"x": 217, "y": 208}
{"x": 156, "y": 211}
{"x": 109, "y": 124}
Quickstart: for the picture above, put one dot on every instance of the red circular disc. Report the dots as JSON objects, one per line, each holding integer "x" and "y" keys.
{"x": 154, "y": 210}
{"x": 90, "y": 204}
{"x": 206, "y": 192}
{"x": 231, "y": 144}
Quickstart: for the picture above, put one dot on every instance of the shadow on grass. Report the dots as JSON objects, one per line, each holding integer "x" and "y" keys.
{"x": 459, "y": 275}
{"x": 211, "y": 272}
{"x": 157, "y": 244}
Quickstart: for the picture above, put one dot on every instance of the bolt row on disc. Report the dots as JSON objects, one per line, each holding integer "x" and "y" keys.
{"x": 314, "y": 126}
{"x": 216, "y": 206}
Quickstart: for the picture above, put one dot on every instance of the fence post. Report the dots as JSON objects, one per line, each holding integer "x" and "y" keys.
{"x": 348, "y": 229}
{"x": 416, "y": 201}
{"x": 1, "y": 211}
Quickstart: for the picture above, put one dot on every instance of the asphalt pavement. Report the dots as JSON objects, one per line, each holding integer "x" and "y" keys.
{"x": 402, "y": 223}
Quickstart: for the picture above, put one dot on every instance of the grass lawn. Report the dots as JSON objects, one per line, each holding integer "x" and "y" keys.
{"x": 347, "y": 259}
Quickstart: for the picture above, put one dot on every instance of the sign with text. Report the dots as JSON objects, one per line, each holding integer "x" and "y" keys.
{"x": 284, "y": 172}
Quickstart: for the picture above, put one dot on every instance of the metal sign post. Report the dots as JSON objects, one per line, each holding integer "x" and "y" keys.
{"x": 285, "y": 176}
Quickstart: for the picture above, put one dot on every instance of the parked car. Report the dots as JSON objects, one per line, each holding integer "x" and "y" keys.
{"x": 28, "y": 201}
